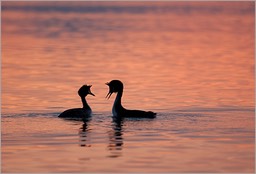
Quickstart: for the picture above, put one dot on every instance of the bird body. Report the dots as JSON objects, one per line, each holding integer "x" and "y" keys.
{"x": 116, "y": 86}
{"x": 76, "y": 113}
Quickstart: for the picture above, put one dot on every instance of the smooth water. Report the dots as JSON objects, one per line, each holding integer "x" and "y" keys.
{"x": 213, "y": 141}
{"x": 191, "y": 62}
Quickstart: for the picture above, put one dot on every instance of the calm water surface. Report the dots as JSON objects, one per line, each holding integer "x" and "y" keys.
{"x": 192, "y": 63}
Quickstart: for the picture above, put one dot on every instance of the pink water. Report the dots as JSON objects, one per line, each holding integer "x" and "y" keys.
{"x": 192, "y": 63}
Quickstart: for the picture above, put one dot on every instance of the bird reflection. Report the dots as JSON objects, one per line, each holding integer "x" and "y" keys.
{"x": 115, "y": 138}
{"x": 83, "y": 134}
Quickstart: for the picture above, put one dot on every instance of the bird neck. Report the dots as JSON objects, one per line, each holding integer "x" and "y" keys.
{"x": 118, "y": 98}
{"x": 117, "y": 107}
{"x": 85, "y": 104}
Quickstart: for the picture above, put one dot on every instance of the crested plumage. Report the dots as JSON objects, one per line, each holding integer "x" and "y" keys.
{"x": 116, "y": 86}
{"x": 80, "y": 113}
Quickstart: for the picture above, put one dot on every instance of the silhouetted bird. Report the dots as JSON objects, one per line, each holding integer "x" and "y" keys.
{"x": 84, "y": 112}
{"x": 116, "y": 86}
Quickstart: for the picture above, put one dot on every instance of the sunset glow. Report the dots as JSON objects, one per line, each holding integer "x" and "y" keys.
{"x": 190, "y": 62}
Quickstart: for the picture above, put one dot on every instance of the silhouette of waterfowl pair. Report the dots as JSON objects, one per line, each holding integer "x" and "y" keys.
{"x": 118, "y": 111}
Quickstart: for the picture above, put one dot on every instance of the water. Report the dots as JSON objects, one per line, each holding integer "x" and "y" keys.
{"x": 173, "y": 142}
{"x": 191, "y": 62}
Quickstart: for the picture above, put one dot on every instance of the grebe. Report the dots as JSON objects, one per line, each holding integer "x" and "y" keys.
{"x": 84, "y": 112}
{"x": 118, "y": 110}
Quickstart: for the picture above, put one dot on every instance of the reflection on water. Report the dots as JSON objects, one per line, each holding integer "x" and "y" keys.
{"x": 115, "y": 138}
{"x": 191, "y": 62}
{"x": 203, "y": 141}
{"x": 84, "y": 135}
{"x": 84, "y": 130}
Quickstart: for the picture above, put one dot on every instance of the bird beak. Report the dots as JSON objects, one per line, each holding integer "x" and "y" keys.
{"x": 89, "y": 92}
{"x": 109, "y": 94}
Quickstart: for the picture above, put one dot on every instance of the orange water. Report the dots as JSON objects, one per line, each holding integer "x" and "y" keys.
{"x": 171, "y": 56}
{"x": 166, "y": 60}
